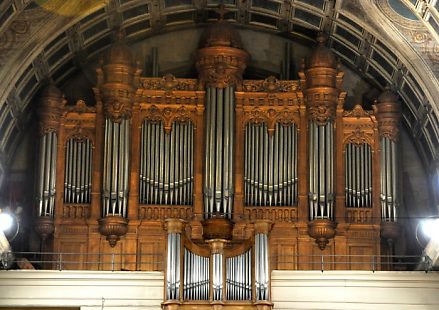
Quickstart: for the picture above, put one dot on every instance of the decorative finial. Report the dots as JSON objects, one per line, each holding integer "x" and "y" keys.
{"x": 321, "y": 38}
{"x": 119, "y": 34}
{"x": 221, "y": 10}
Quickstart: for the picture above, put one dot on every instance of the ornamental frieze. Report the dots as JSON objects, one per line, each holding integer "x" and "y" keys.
{"x": 270, "y": 84}
{"x": 168, "y": 83}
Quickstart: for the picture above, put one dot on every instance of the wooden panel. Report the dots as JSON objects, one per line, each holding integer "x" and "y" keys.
{"x": 151, "y": 254}
{"x": 283, "y": 254}
{"x": 72, "y": 255}
{"x": 361, "y": 257}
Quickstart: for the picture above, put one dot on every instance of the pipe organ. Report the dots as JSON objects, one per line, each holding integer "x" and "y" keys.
{"x": 217, "y": 180}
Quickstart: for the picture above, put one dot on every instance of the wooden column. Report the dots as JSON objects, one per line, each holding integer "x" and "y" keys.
{"x": 199, "y": 156}
{"x": 95, "y": 213}
{"x": 136, "y": 125}
{"x": 239, "y": 162}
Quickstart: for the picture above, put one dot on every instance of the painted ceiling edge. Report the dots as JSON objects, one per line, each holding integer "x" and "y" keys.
{"x": 414, "y": 62}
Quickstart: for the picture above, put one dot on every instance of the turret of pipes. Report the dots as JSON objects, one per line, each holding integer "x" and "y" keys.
{"x": 50, "y": 110}
{"x": 117, "y": 79}
{"x": 388, "y": 113}
{"x": 220, "y": 63}
{"x": 321, "y": 86}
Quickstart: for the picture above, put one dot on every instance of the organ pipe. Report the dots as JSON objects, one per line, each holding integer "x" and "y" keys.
{"x": 217, "y": 276}
{"x": 238, "y": 276}
{"x": 115, "y": 174}
{"x": 270, "y": 165}
{"x": 173, "y": 266}
{"x": 77, "y": 176}
{"x": 47, "y": 174}
{"x": 195, "y": 276}
{"x": 358, "y": 175}
{"x": 388, "y": 176}
{"x": 166, "y": 164}
{"x": 218, "y": 182}
{"x": 262, "y": 273}
{"x": 321, "y": 181}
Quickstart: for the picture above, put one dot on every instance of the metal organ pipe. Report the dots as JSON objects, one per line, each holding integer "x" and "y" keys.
{"x": 47, "y": 174}
{"x": 218, "y": 182}
{"x": 195, "y": 276}
{"x": 262, "y": 273}
{"x": 270, "y": 165}
{"x": 173, "y": 266}
{"x": 166, "y": 173}
{"x": 77, "y": 179}
{"x": 321, "y": 182}
{"x": 115, "y": 175}
{"x": 389, "y": 194}
{"x": 358, "y": 175}
{"x": 217, "y": 276}
{"x": 238, "y": 277}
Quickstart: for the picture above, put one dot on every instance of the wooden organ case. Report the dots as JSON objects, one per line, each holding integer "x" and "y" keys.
{"x": 217, "y": 180}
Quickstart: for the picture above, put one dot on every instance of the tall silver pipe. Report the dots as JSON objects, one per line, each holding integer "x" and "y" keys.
{"x": 231, "y": 150}
{"x": 53, "y": 174}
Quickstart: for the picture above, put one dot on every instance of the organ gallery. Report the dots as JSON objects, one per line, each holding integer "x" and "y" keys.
{"x": 218, "y": 180}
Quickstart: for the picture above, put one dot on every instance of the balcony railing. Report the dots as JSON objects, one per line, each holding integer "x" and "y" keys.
{"x": 155, "y": 262}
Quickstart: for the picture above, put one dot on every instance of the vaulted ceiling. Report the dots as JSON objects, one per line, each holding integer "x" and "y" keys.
{"x": 393, "y": 42}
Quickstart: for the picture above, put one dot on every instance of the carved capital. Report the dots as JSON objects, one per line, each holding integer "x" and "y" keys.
{"x": 321, "y": 112}
{"x": 217, "y": 245}
{"x": 387, "y": 109}
{"x": 117, "y": 110}
{"x": 263, "y": 226}
{"x": 50, "y": 111}
{"x": 221, "y": 66}
{"x": 175, "y": 225}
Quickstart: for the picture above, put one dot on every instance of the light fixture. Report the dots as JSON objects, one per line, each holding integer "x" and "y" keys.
{"x": 6, "y": 221}
{"x": 430, "y": 228}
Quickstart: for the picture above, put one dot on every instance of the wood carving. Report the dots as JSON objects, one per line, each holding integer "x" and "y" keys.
{"x": 169, "y": 115}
